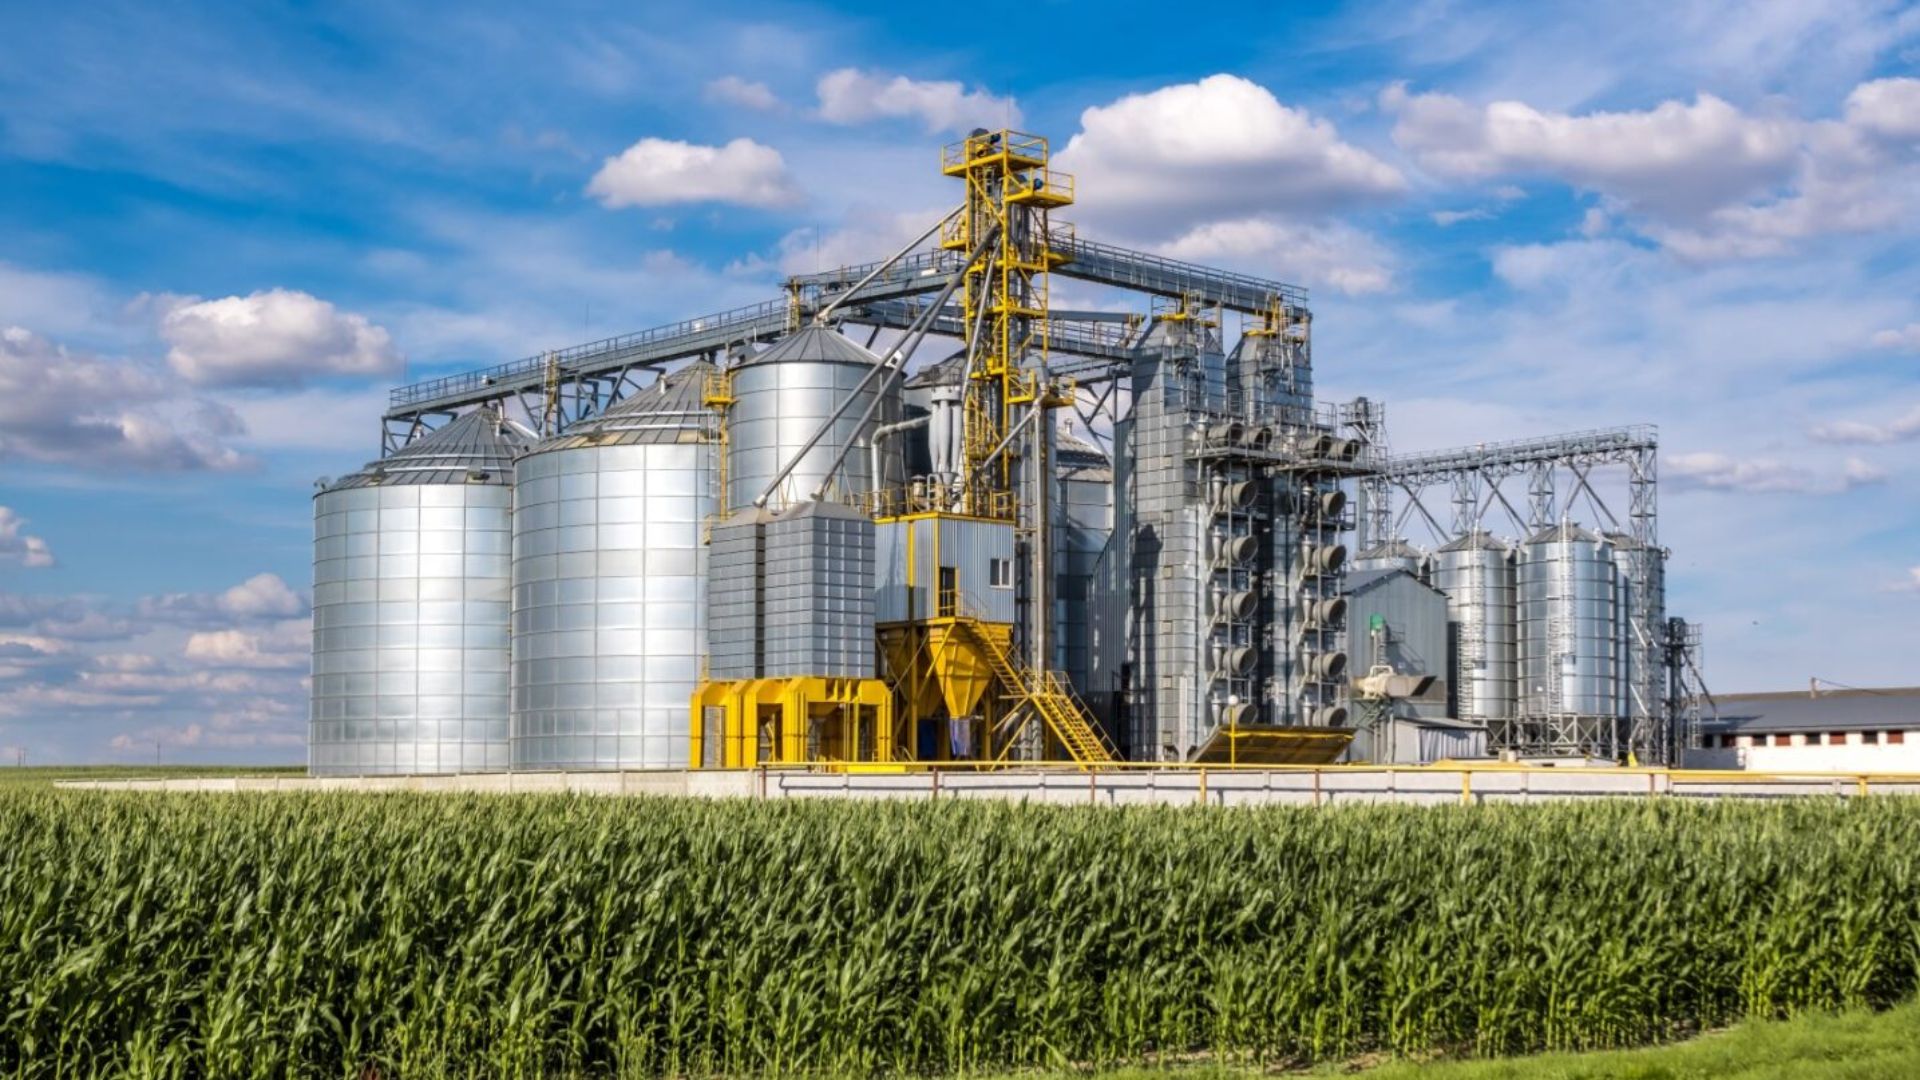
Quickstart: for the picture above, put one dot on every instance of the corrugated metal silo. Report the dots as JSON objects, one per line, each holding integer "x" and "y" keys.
{"x": 410, "y": 607}
{"x": 1567, "y": 624}
{"x": 782, "y": 396}
{"x": 609, "y": 580}
{"x": 1476, "y": 573}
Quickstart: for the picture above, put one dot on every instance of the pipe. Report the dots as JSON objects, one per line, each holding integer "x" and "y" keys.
{"x": 894, "y": 365}
{"x": 880, "y": 433}
{"x": 821, "y": 317}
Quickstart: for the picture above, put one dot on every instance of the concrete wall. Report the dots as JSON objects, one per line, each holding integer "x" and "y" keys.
{"x": 1182, "y": 787}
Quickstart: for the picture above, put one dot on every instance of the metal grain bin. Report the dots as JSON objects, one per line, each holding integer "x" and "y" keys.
{"x": 609, "y": 582}
{"x": 1476, "y": 573}
{"x": 1567, "y": 629}
{"x": 782, "y": 396}
{"x": 410, "y": 607}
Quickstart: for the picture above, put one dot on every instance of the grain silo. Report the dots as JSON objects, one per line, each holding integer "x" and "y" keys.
{"x": 410, "y": 606}
{"x": 609, "y": 581}
{"x": 785, "y": 396}
{"x": 1568, "y": 599}
{"x": 1477, "y": 575}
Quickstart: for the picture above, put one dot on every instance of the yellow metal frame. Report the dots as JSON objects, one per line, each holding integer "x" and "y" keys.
{"x": 798, "y": 720}
{"x": 1009, "y": 188}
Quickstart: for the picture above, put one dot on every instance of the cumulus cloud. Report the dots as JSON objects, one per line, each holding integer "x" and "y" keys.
{"x": 734, "y": 90}
{"x": 1888, "y": 108}
{"x": 262, "y": 596}
{"x": 16, "y": 545}
{"x": 1899, "y": 429}
{"x": 1333, "y": 256}
{"x": 1705, "y": 179}
{"x": 1906, "y": 339}
{"x": 285, "y": 644}
{"x": 1158, "y": 165}
{"x": 1675, "y": 155}
{"x": 1765, "y": 476}
{"x": 851, "y": 96}
{"x": 277, "y": 337}
{"x": 662, "y": 172}
{"x": 64, "y": 407}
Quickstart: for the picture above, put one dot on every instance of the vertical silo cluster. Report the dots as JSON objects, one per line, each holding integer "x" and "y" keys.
{"x": 609, "y": 581}
{"x": 411, "y": 592}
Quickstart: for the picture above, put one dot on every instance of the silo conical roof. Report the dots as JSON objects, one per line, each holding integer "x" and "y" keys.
{"x": 1563, "y": 533}
{"x": 475, "y": 448}
{"x": 816, "y": 344}
{"x": 674, "y": 409}
{"x": 1478, "y": 540}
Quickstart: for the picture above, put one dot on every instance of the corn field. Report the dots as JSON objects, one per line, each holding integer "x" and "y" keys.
{"x": 428, "y": 936}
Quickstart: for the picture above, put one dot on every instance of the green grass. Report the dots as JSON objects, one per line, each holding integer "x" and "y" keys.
{"x": 1854, "y": 1045}
{"x": 425, "y": 936}
{"x": 46, "y": 775}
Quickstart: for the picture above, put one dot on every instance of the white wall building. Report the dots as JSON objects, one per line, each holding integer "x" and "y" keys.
{"x": 1856, "y": 731}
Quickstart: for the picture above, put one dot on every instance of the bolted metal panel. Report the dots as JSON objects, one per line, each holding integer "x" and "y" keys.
{"x": 818, "y": 605}
{"x": 783, "y": 396}
{"x": 410, "y": 608}
{"x": 609, "y": 583}
{"x": 1568, "y": 602}
{"x": 1476, "y": 573}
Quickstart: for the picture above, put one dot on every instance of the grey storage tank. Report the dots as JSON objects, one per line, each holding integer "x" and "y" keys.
{"x": 1476, "y": 573}
{"x": 1568, "y": 634}
{"x": 410, "y": 607}
{"x": 609, "y": 582}
{"x": 782, "y": 396}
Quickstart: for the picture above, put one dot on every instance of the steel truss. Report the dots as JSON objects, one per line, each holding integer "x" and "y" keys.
{"x": 558, "y": 388}
{"x": 1557, "y": 476}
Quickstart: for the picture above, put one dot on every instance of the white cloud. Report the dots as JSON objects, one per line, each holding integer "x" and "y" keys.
{"x": 1765, "y": 476}
{"x": 662, "y": 172}
{"x": 1900, "y": 429}
{"x": 1333, "y": 256}
{"x": 734, "y": 90}
{"x": 1907, "y": 338}
{"x": 1157, "y": 165}
{"x": 851, "y": 96}
{"x": 1706, "y": 180}
{"x": 15, "y": 543}
{"x": 1675, "y": 156}
{"x": 867, "y": 234}
{"x": 65, "y": 407}
{"x": 1888, "y": 108}
{"x": 286, "y": 644}
{"x": 1447, "y": 219}
{"x": 261, "y": 596}
{"x": 270, "y": 338}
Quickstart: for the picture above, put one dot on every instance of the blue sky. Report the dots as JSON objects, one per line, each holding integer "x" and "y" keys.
{"x": 225, "y": 231}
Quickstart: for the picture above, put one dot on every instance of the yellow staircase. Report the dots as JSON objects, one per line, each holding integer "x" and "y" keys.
{"x": 1050, "y": 697}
